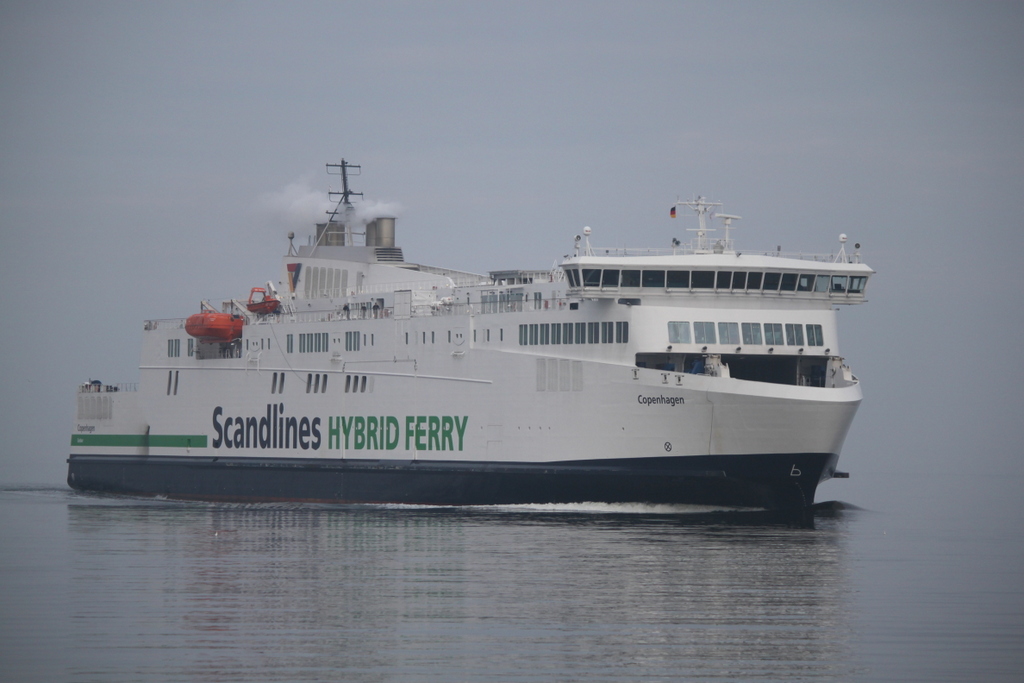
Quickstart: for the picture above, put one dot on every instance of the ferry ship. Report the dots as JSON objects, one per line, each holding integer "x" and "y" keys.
{"x": 694, "y": 374}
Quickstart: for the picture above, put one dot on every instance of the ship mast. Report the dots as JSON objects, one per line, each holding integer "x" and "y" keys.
{"x": 342, "y": 211}
{"x": 702, "y": 207}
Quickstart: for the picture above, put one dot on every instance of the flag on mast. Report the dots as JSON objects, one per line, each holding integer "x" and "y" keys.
{"x": 672, "y": 212}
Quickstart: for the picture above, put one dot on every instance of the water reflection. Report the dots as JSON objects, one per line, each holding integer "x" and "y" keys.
{"x": 176, "y": 591}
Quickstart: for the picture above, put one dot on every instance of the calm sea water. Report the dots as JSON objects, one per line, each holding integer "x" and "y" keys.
{"x": 113, "y": 589}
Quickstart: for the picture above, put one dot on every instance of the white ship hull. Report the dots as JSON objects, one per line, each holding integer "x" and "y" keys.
{"x": 415, "y": 388}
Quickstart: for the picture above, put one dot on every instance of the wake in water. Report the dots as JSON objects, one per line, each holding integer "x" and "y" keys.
{"x": 682, "y": 514}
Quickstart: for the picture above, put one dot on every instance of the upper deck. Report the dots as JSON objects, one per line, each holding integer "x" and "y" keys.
{"x": 710, "y": 266}
{"x": 812, "y": 277}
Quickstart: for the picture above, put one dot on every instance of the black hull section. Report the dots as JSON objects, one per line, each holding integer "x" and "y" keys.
{"x": 774, "y": 482}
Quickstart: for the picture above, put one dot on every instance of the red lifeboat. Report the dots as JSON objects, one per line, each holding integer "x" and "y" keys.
{"x": 261, "y": 303}
{"x": 211, "y": 327}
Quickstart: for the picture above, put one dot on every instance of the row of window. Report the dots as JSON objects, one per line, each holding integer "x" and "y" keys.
{"x": 542, "y": 334}
{"x": 172, "y": 382}
{"x": 722, "y": 280}
{"x": 316, "y": 383}
{"x": 174, "y": 347}
{"x": 775, "y": 334}
{"x": 313, "y": 383}
{"x": 311, "y": 342}
{"x": 319, "y": 342}
{"x": 487, "y": 335}
{"x": 355, "y": 384}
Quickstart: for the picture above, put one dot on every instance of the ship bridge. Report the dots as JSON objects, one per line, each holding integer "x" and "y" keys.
{"x": 810, "y": 278}
{"x": 710, "y": 266}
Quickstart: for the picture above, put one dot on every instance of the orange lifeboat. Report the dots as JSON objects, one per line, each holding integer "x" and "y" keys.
{"x": 264, "y": 305}
{"x": 211, "y": 327}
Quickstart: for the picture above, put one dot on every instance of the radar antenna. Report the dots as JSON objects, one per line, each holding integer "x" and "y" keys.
{"x": 343, "y": 198}
{"x": 727, "y": 219}
{"x": 342, "y": 170}
{"x": 701, "y": 207}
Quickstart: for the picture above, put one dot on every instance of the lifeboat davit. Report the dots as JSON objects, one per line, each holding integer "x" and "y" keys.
{"x": 210, "y": 326}
{"x": 263, "y": 305}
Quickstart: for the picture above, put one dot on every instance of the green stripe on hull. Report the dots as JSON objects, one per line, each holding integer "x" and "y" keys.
{"x": 140, "y": 440}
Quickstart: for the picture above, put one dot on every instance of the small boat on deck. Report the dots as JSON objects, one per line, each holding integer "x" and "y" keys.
{"x": 261, "y": 302}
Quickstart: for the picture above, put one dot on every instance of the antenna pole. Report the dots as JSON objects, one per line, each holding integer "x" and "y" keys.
{"x": 342, "y": 170}
{"x": 701, "y": 207}
{"x": 344, "y": 196}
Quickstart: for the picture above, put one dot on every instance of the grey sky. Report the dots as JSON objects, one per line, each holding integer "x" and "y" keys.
{"x": 141, "y": 145}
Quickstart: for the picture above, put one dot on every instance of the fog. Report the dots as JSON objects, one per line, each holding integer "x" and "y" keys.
{"x": 156, "y": 154}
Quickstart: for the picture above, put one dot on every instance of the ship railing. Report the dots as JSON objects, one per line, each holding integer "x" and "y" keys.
{"x": 97, "y": 387}
{"x": 426, "y": 310}
{"x": 328, "y": 316}
{"x": 439, "y": 307}
{"x": 165, "y": 324}
{"x": 454, "y": 280}
{"x": 387, "y": 287}
{"x": 458, "y": 278}
{"x": 686, "y": 251}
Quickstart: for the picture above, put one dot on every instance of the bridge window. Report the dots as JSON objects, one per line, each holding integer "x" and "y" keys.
{"x": 654, "y": 278}
{"x": 806, "y": 283}
{"x": 704, "y": 332}
{"x": 678, "y": 279}
{"x": 630, "y": 278}
{"x": 591, "y": 277}
{"x": 610, "y": 278}
{"x": 754, "y": 281}
{"x": 838, "y": 284}
{"x": 739, "y": 280}
{"x": 814, "y": 336}
{"x": 679, "y": 332}
{"x": 729, "y": 333}
{"x": 794, "y": 335}
{"x": 788, "y": 282}
{"x": 857, "y": 283}
{"x": 771, "y": 281}
{"x": 724, "y": 279}
{"x": 702, "y": 279}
